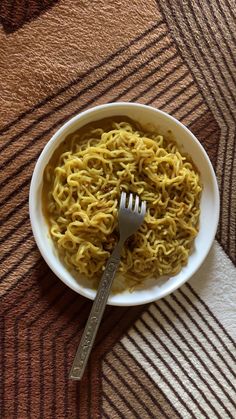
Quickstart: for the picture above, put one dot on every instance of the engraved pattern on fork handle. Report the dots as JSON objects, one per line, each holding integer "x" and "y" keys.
{"x": 94, "y": 319}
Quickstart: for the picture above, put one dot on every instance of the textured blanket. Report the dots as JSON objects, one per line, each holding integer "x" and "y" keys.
{"x": 175, "y": 358}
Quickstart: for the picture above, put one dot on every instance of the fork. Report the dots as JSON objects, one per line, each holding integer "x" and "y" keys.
{"x": 129, "y": 218}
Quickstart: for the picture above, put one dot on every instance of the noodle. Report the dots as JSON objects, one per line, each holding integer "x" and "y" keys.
{"x": 82, "y": 187}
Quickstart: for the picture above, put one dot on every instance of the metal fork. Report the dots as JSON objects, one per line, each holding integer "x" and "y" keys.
{"x": 130, "y": 218}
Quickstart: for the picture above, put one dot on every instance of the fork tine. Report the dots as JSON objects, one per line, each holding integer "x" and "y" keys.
{"x": 122, "y": 199}
{"x": 130, "y": 204}
{"x": 136, "y": 203}
{"x": 143, "y": 208}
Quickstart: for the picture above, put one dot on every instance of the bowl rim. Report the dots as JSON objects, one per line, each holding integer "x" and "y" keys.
{"x": 34, "y": 185}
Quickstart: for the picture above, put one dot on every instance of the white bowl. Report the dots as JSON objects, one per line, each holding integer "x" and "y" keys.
{"x": 151, "y": 289}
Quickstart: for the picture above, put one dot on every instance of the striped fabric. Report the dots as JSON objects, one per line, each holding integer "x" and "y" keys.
{"x": 175, "y": 358}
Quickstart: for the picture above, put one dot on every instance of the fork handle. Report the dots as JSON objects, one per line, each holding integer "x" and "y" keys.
{"x": 95, "y": 316}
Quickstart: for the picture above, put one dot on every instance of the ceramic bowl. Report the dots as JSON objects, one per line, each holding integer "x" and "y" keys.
{"x": 151, "y": 289}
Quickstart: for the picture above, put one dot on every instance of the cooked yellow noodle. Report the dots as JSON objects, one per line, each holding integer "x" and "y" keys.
{"x": 82, "y": 197}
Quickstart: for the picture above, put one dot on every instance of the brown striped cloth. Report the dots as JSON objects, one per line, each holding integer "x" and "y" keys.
{"x": 174, "y": 358}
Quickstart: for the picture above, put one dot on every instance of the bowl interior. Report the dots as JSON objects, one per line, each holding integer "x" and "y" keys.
{"x": 165, "y": 124}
